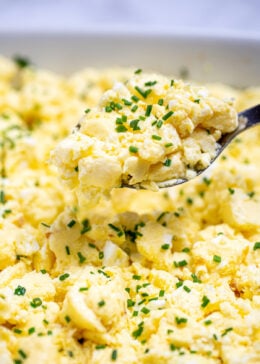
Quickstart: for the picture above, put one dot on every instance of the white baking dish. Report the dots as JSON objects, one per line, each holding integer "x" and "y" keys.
{"x": 232, "y": 59}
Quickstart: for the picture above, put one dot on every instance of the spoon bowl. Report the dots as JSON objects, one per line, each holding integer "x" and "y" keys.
{"x": 246, "y": 119}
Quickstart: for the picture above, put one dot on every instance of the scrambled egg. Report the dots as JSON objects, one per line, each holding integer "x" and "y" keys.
{"x": 148, "y": 130}
{"x": 147, "y": 277}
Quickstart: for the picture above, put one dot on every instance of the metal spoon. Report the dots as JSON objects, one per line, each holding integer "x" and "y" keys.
{"x": 246, "y": 120}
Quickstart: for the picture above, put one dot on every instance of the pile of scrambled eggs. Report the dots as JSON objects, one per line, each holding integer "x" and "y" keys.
{"x": 147, "y": 130}
{"x": 146, "y": 277}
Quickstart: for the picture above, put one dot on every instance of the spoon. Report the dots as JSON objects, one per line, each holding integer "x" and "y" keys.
{"x": 246, "y": 119}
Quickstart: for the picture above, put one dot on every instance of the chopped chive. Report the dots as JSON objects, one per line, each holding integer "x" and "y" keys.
{"x": 138, "y": 332}
{"x": 136, "y": 277}
{"x": 64, "y": 276}
{"x": 31, "y": 330}
{"x": 150, "y": 83}
{"x": 46, "y": 225}
{"x": 86, "y": 226}
{"x": 82, "y": 289}
{"x": 21, "y": 61}
{"x": 127, "y": 102}
{"x": 17, "y": 331}
{"x": 197, "y": 101}
{"x": 156, "y": 137}
{"x": 135, "y": 313}
{"x": 119, "y": 121}
{"x": 141, "y": 302}
{"x": 67, "y": 318}
{"x": 179, "y": 284}
{"x": 19, "y": 291}
{"x": 101, "y": 303}
{"x": 216, "y": 259}
{"x": 173, "y": 347}
{"x": 231, "y": 191}
{"x": 91, "y": 245}
{"x": 81, "y": 257}
{"x": 71, "y": 223}
{"x": 256, "y": 245}
{"x": 138, "y": 71}
{"x": 124, "y": 118}
{"x": 135, "y": 98}
{"x": 143, "y": 93}
{"x": 2, "y": 197}
{"x": 195, "y": 279}
{"x": 134, "y": 124}
{"x": 76, "y": 169}
{"x": 162, "y": 215}
{"x": 159, "y": 124}
{"x": 207, "y": 322}
{"x": 167, "y": 145}
{"x": 121, "y": 129}
{"x": 207, "y": 181}
{"x": 251, "y": 194}
{"x": 115, "y": 228}
{"x": 87, "y": 111}
{"x": 100, "y": 346}
{"x": 168, "y": 115}
{"x": 108, "y": 109}
{"x": 186, "y": 250}
{"x": 160, "y": 102}
{"x": 36, "y": 302}
{"x": 181, "y": 263}
{"x": 165, "y": 246}
{"x": 205, "y": 301}
{"x": 226, "y": 331}
{"x": 161, "y": 293}
{"x": 189, "y": 201}
{"x": 167, "y": 163}
{"x": 118, "y": 106}
{"x": 100, "y": 255}
{"x": 114, "y": 355}
{"x": 145, "y": 310}
{"x": 133, "y": 149}
{"x": 134, "y": 108}
{"x": 181, "y": 320}
{"x": 187, "y": 289}
{"x": 172, "y": 83}
{"x": 67, "y": 248}
{"x": 146, "y": 285}
{"x": 130, "y": 303}
{"x": 104, "y": 273}
{"x": 148, "y": 110}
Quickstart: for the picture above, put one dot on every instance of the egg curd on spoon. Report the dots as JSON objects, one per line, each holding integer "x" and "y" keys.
{"x": 146, "y": 130}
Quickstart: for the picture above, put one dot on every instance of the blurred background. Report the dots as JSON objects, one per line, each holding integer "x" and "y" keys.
{"x": 176, "y": 15}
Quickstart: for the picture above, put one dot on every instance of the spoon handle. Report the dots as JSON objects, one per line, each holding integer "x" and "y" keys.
{"x": 251, "y": 116}
{"x": 246, "y": 119}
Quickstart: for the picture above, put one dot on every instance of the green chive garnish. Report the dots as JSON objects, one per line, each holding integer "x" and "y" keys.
{"x": 148, "y": 110}
{"x": 256, "y": 245}
{"x": 133, "y": 149}
{"x": 121, "y": 129}
{"x": 216, "y": 259}
{"x": 168, "y": 115}
{"x": 71, "y": 223}
{"x": 156, "y": 137}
